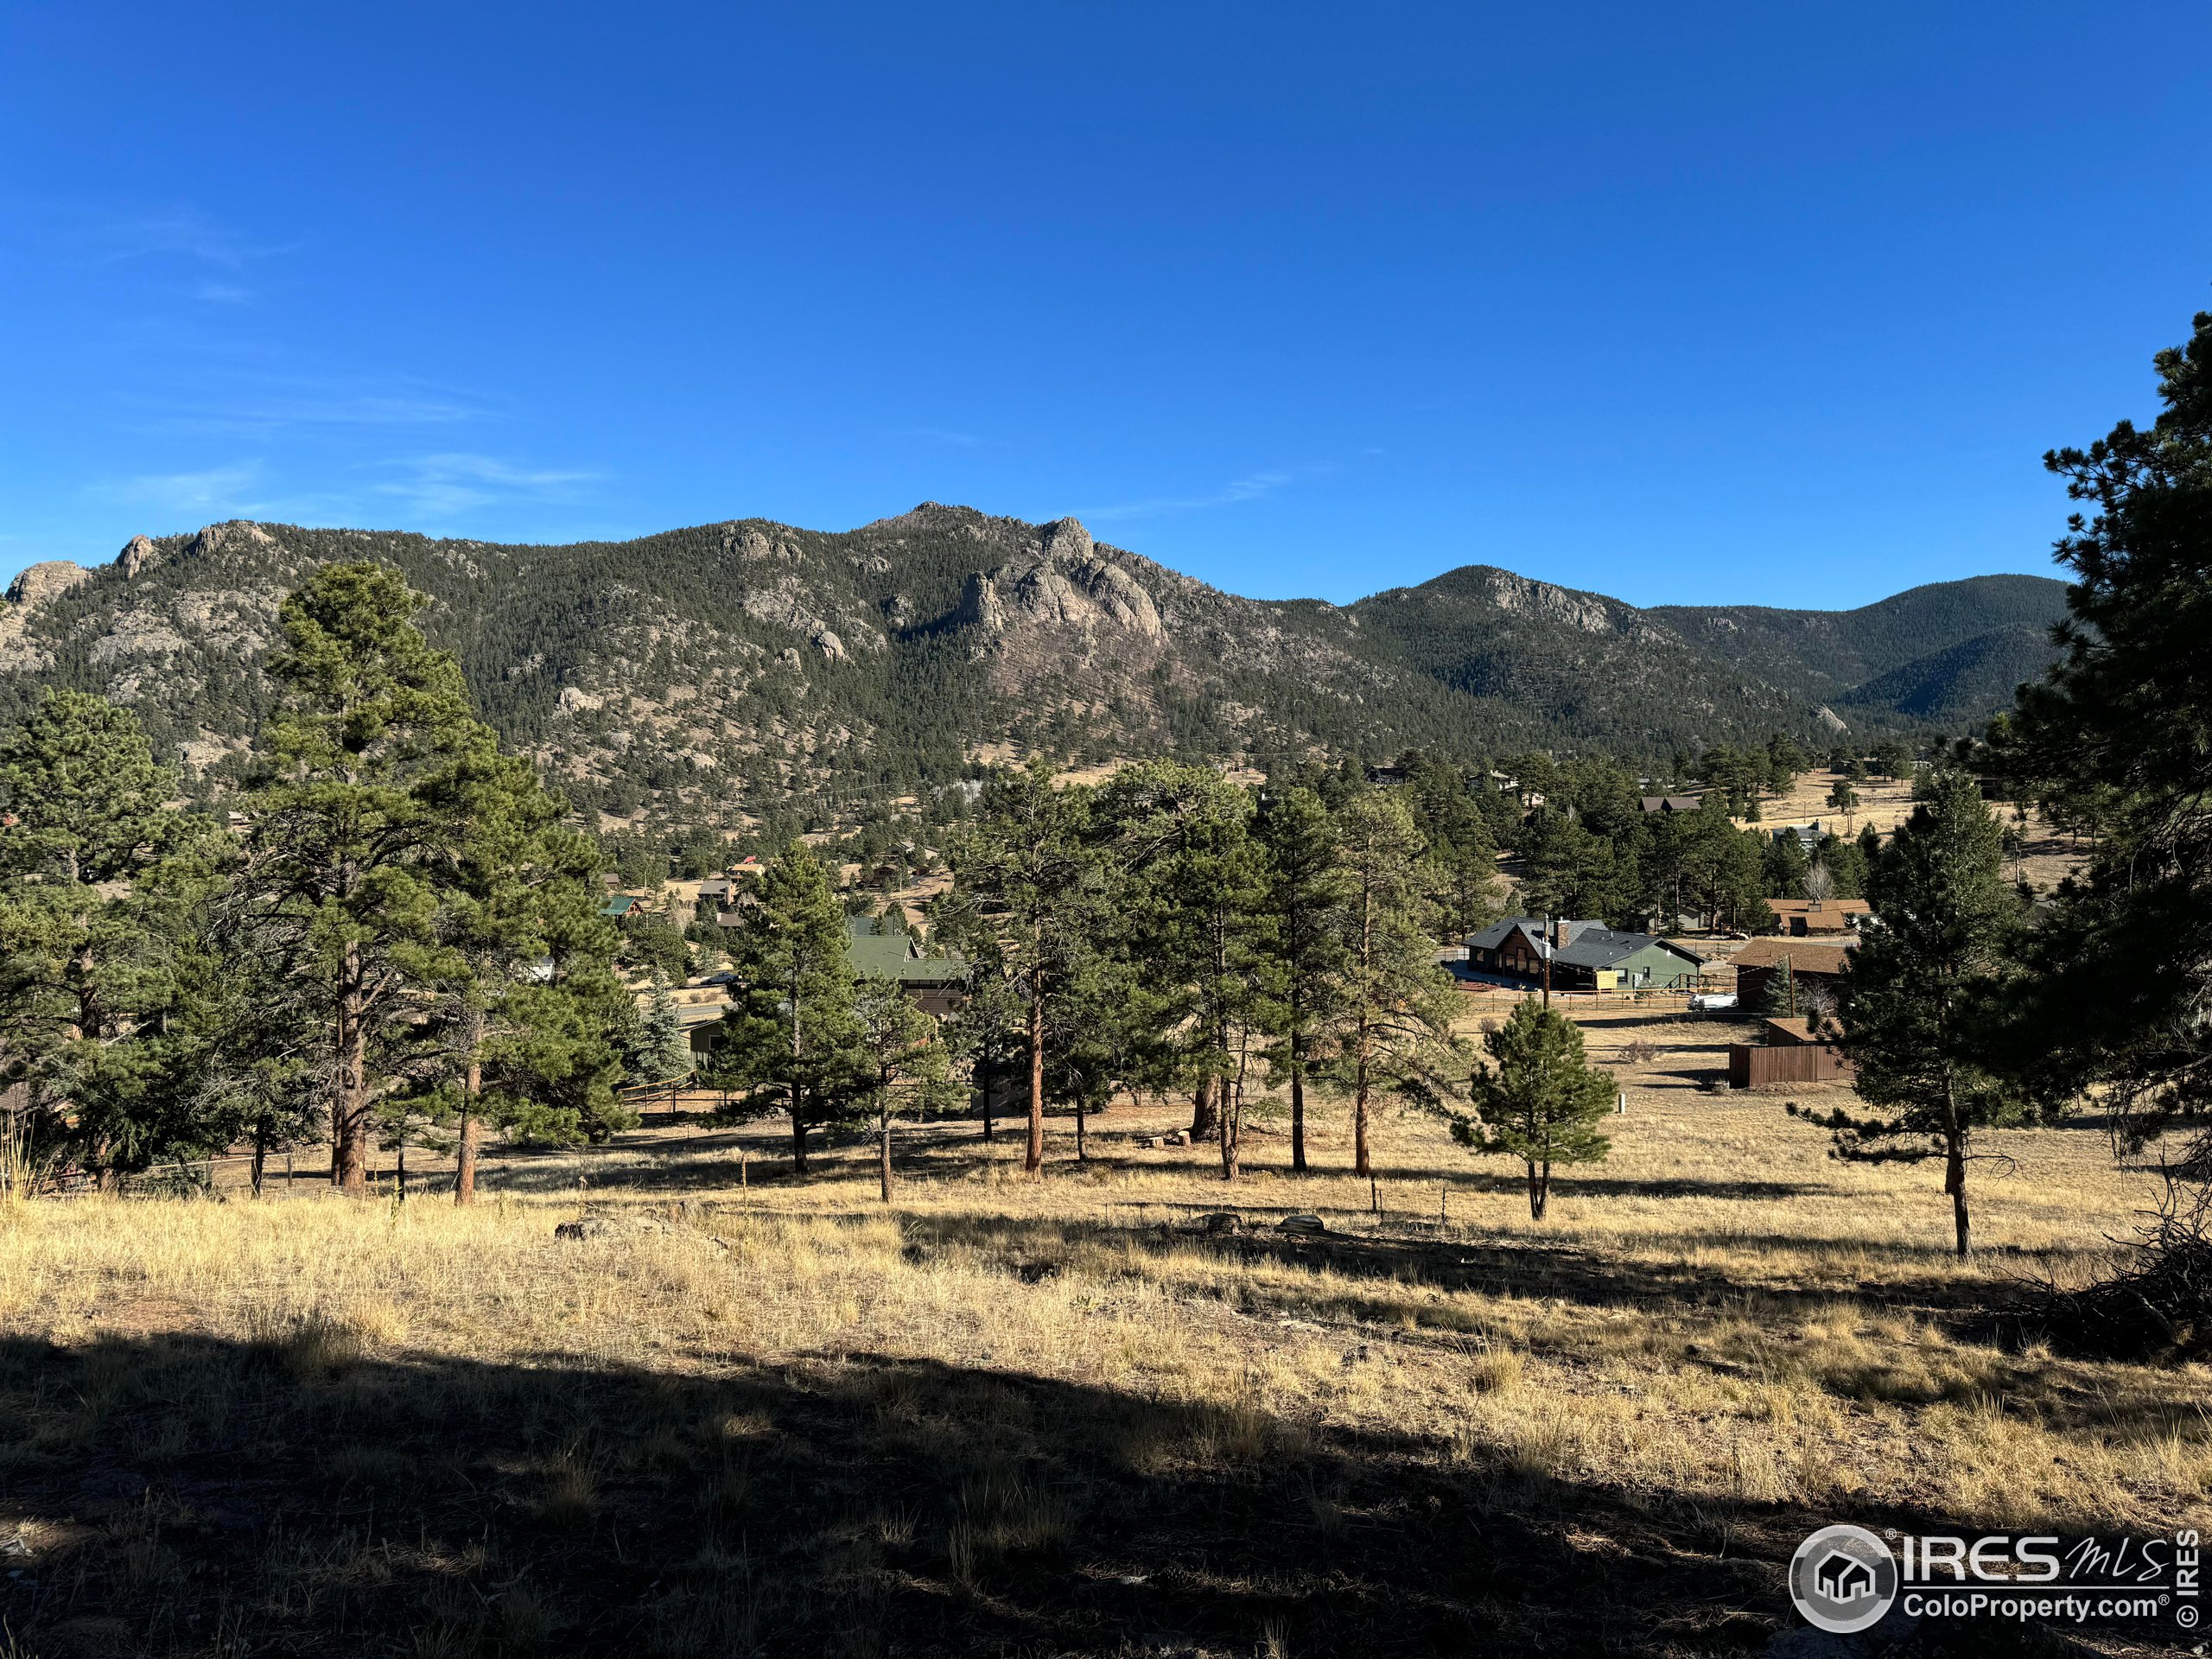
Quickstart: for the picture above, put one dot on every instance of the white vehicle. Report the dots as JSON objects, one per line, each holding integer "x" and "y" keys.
{"x": 1712, "y": 1001}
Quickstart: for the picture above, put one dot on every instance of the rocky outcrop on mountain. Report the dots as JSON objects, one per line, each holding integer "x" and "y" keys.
{"x": 979, "y": 605}
{"x": 41, "y": 581}
{"x": 707, "y": 675}
{"x": 29, "y": 590}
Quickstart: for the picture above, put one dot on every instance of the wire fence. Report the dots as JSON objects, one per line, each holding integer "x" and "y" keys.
{"x": 1658, "y": 999}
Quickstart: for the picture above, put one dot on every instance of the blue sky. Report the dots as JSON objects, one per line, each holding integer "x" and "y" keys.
{"x": 1777, "y": 303}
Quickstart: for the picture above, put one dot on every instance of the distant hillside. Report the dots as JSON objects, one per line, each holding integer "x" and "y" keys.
{"x": 1604, "y": 674}
{"x": 725, "y": 670}
{"x": 1832, "y": 657}
{"x": 1961, "y": 683}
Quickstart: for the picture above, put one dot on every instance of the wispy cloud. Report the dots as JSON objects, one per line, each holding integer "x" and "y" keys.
{"x": 214, "y": 492}
{"x": 947, "y": 435}
{"x": 262, "y": 406}
{"x": 176, "y": 248}
{"x": 445, "y": 487}
{"x": 183, "y": 231}
{"x": 1250, "y": 487}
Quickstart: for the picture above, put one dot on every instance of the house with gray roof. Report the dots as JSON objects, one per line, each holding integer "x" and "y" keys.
{"x": 1585, "y": 956}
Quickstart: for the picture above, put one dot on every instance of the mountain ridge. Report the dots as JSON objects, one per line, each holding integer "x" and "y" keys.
{"x": 718, "y": 671}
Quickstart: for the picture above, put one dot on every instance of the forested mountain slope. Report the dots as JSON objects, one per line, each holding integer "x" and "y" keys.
{"x": 1833, "y": 656}
{"x": 724, "y": 670}
{"x": 1959, "y": 683}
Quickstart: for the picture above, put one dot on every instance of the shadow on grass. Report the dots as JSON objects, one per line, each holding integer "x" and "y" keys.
{"x": 1409, "y": 1252}
{"x": 191, "y": 1496}
{"x": 183, "y": 1495}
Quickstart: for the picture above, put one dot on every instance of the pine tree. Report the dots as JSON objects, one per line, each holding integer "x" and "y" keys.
{"x": 1920, "y": 994}
{"x": 908, "y": 1071}
{"x": 1843, "y": 798}
{"x": 1303, "y": 952}
{"x": 532, "y": 1017}
{"x": 1784, "y": 865}
{"x": 663, "y": 1052}
{"x": 1026, "y": 906}
{"x": 2116, "y": 743}
{"x": 1462, "y": 884}
{"x": 1394, "y": 1021}
{"x": 1781, "y": 992}
{"x": 1111, "y": 1032}
{"x": 338, "y": 880}
{"x": 1193, "y": 908}
{"x": 96, "y": 944}
{"x": 1539, "y": 1100}
{"x": 792, "y": 1038}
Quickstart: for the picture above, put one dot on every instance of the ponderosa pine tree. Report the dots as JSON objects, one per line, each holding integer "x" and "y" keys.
{"x": 1026, "y": 906}
{"x": 1304, "y": 951}
{"x": 1108, "y": 1032}
{"x": 792, "y": 1041}
{"x": 532, "y": 1018}
{"x": 2116, "y": 744}
{"x": 908, "y": 1071}
{"x": 1395, "y": 1011}
{"x": 93, "y": 942}
{"x": 1194, "y": 910}
{"x": 1920, "y": 994}
{"x": 1539, "y": 1100}
{"x": 341, "y": 881}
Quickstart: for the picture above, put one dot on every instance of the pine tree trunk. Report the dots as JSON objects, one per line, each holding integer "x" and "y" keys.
{"x": 260, "y": 1151}
{"x": 349, "y": 1125}
{"x": 1539, "y": 1191}
{"x": 1227, "y": 1136}
{"x": 798, "y": 1102}
{"x": 1363, "y": 1164}
{"x": 472, "y": 1087}
{"x": 1033, "y": 1158}
{"x": 1232, "y": 1116}
{"x": 1082, "y": 1111}
{"x": 1205, "y": 1112}
{"x": 884, "y": 1169}
{"x": 1297, "y": 1110}
{"x": 1955, "y": 1173}
{"x": 985, "y": 1071}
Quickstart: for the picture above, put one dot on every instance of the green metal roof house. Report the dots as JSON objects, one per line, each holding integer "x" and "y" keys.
{"x": 876, "y": 951}
{"x": 1585, "y": 956}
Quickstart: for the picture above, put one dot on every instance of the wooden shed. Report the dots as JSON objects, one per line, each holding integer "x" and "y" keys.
{"x": 1793, "y": 1052}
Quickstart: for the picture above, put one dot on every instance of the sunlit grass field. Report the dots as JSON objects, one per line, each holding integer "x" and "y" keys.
{"x": 1007, "y": 1415}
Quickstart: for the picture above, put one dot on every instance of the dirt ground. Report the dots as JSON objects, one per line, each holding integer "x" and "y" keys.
{"x": 745, "y": 1411}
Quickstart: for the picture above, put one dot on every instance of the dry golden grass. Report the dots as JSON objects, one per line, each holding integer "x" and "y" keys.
{"x": 1720, "y": 1337}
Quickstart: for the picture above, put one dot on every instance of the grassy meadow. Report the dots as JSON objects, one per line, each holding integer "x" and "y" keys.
{"x": 1000, "y": 1416}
